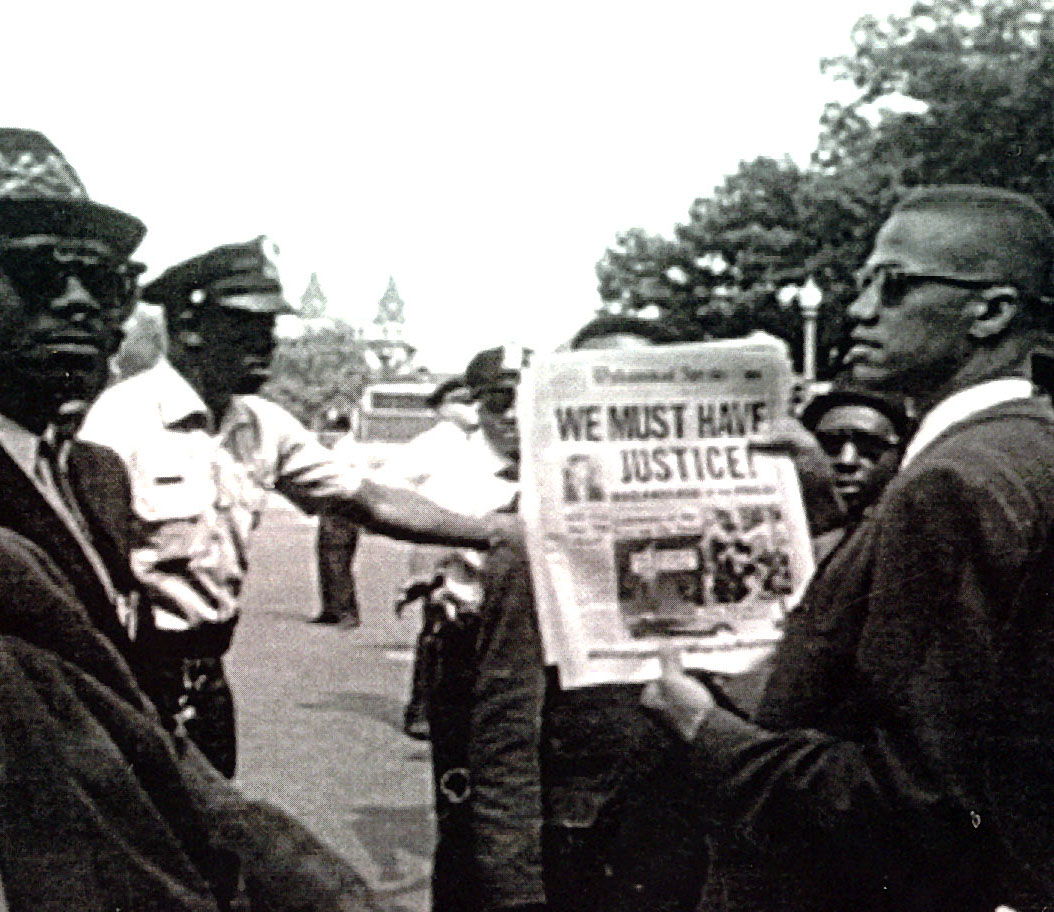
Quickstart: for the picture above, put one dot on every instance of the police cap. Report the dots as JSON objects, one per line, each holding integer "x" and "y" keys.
{"x": 239, "y": 276}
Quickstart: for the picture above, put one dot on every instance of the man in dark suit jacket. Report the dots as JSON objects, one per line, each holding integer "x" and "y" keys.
{"x": 102, "y": 809}
{"x": 567, "y": 809}
{"x": 902, "y": 756}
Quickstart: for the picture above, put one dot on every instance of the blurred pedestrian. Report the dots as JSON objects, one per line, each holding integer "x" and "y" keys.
{"x": 452, "y": 464}
{"x": 335, "y": 545}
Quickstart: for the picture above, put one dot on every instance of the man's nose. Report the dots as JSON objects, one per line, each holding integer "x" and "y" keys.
{"x": 865, "y": 307}
{"x": 848, "y": 456}
{"x": 75, "y": 303}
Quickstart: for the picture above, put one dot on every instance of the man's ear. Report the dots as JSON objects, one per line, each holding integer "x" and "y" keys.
{"x": 992, "y": 311}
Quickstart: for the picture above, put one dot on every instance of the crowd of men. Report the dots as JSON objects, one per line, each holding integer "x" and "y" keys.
{"x": 896, "y": 753}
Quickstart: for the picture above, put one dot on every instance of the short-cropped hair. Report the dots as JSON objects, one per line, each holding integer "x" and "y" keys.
{"x": 1016, "y": 231}
{"x": 657, "y": 332}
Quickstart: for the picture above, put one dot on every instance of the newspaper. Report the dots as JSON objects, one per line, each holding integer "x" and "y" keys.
{"x": 649, "y": 521}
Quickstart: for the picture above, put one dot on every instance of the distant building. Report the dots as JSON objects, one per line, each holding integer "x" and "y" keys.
{"x": 313, "y": 301}
{"x": 386, "y": 350}
{"x": 390, "y": 317}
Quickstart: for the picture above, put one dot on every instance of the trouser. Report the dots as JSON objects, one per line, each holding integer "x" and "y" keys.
{"x": 193, "y": 696}
{"x": 335, "y": 550}
{"x": 438, "y": 635}
{"x": 450, "y": 662}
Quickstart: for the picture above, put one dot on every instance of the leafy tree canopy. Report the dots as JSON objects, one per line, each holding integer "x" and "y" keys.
{"x": 321, "y": 369}
{"x": 957, "y": 91}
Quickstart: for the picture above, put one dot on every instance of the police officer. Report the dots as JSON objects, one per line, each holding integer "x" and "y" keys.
{"x": 203, "y": 451}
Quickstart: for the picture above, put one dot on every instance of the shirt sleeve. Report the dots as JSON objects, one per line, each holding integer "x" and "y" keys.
{"x": 304, "y": 471}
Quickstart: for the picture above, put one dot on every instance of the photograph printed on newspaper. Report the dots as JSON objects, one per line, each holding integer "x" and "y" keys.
{"x": 650, "y": 523}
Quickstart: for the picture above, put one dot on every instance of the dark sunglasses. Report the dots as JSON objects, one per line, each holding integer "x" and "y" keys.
{"x": 892, "y": 283}
{"x": 40, "y": 273}
{"x": 498, "y": 399}
{"x": 870, "y": 446}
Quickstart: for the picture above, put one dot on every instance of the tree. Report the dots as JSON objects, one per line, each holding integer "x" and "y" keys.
{"x": 322, "y": 368}
{"x": 958, "y": 91}
{"x": 981, "y": 74}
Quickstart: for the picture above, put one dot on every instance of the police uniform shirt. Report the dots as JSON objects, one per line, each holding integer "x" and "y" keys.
{"x": 197, "y": 495}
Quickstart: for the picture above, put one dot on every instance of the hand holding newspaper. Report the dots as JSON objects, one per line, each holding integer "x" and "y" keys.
{"x": 650, "y": 523}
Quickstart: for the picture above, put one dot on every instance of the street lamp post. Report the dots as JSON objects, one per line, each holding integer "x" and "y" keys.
{"x": 809, "y": 297}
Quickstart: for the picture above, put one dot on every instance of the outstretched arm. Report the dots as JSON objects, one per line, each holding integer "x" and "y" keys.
{"x": 409, "y": 516}
{"x": 307, "y": 474}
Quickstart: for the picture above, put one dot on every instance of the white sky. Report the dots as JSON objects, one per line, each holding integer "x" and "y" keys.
{"x": 482, "y": 153}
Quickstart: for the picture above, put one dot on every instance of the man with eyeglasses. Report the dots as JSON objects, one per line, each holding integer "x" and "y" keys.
{"x": 902, "y": 755}
{"x": 102, "y": 808}
{"x": 204, "y": 452}
{"x": 861, "y": 433}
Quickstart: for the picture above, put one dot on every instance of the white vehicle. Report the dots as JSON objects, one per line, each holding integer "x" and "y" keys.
{"x": 393, "y": 411}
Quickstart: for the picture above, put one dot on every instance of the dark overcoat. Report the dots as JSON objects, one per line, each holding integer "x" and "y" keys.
{"x": 99, "y": 808}
{"x": 902, "y": 756}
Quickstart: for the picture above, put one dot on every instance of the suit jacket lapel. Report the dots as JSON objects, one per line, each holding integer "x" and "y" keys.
{"x": 38, "y": 516}
{"x": 101, "y": 487}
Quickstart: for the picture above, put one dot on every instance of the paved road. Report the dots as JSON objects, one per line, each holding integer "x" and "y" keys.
{"x": 320, "y": 710}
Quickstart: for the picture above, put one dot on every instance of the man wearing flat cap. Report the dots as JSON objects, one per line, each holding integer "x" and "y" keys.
{"x": 102, "y": 808}
{"x": 862, "y": 433}
{"x": 203, "y": 451}
{"x": 902, "y": 755}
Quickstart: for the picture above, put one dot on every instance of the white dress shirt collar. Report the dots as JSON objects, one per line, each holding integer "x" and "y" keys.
{"x": 962, "y": 405}
{"x": 21, "y": 445}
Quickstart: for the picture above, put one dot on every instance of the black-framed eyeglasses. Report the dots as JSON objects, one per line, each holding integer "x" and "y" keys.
{"x": 497, "y": 400}
{"x": 870, "y": 446}
{"x": 892, "y": 282}
{"x": 39, "y": 272}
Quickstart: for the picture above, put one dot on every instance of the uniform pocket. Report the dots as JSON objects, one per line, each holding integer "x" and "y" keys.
{"x": 172, "y": 479}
